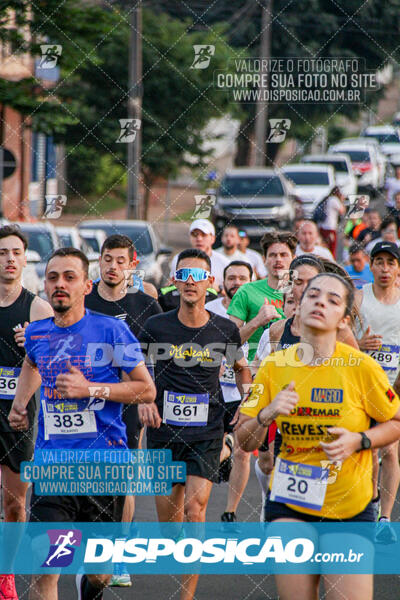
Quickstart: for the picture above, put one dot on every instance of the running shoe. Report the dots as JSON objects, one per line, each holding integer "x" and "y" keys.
{"x": 384, "y": 533}
{"x": 85, "y": 590}
{"x": 121, "y": 577}
{"x": 225, "y": 467}
{"x": 7, "y": 588}
{"x": 229, "y": 517}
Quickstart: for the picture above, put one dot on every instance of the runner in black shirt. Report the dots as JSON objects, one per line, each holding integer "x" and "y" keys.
{"x": 187, "y": 345}
{"x": 112, "y": 296}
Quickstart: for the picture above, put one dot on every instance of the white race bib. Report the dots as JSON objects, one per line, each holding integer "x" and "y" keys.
{"x": 79, "y": 424}
{"x": 8, "y": 382}
{"x": 387, "y": 356}
{"x": 299, "y": 484}
{"x": 181, "y": 409}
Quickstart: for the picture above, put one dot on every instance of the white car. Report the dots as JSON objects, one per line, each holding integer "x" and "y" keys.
{"x": 150, "y": 253}
{"x": 312, "y": 184}
{"x": 388, "y": 138}
{"x": 364, "y": 163}
{"x": 95, "y": 238}
{"x": 70, "y": 236}
{"x": 380, "y": 158}
{"x": 30, "y": 278}
{"x": 341, "y": 163}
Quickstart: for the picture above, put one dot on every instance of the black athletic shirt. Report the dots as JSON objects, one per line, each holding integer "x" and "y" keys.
{"x": 287, "y": 338}
{"x": 169, "y": 297}
{"x": 174, "y": 339}
{"x": 12, "y": 355}
{"x": 134, "y": 308}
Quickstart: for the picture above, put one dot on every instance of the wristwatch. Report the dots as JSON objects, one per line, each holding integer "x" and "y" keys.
{"x": 365, "y": 442}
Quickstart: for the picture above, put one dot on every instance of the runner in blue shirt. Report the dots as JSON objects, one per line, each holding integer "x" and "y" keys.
{"x": 77, "y": 358}
{"x": 359, "y": 269}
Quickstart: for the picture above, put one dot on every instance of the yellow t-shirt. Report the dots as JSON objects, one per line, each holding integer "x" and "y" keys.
{"x": 347, "y": 392}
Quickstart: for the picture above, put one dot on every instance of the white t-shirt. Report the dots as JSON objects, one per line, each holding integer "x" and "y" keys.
{"x": 264, "y": 346}
{"x": 318, "y": 251}
{"x": 333, "y": 208}
{"x": 218, "y": 264}
{"x": 392, "y": 186}
{"x": 228, "y": 380}
{"x": 217, "y": 307}
{"x": 237, "y": 255}
{"x": 256, "y": 261}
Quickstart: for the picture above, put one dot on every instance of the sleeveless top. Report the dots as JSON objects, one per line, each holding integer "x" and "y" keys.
{"x": 287, "y": 337}
{"x": 384, "y": 320}
{"x": 12, "y": 356}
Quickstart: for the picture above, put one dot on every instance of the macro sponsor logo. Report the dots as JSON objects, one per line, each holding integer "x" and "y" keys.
{"x": 327, "y": 395}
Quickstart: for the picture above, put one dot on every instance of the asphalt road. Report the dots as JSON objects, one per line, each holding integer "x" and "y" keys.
{"x": 211, "y": 587}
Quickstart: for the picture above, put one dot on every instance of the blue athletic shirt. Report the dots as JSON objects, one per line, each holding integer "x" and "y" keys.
{"x": 99, "y": 346}
{"x": 360, "y": 278}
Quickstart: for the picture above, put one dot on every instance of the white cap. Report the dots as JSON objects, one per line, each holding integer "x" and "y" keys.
{"x": 204, "y": 225}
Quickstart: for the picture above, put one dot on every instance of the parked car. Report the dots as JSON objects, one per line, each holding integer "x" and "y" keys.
{"x": 148, "y": 246}
{"x": 380, "y": 157}
{"x": 30, "y": 279}
{"x": 94, "y": 238}
{"x": 43, "y": 239}
{"x": 364, "y": 163}
{"x": 313, "y": 183}
{"x": 256, "y": 200}
{"x": 70, "y": 236}
{"x": 388, "y": 138}
{"x": 341, "y": 163}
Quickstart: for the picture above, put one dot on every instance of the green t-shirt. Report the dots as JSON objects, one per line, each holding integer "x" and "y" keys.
{"x": 247, "y": 302}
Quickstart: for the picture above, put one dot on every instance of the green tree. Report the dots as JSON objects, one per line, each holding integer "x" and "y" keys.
{"x": 178, "y": 101}
{"x": 309, "y": 29}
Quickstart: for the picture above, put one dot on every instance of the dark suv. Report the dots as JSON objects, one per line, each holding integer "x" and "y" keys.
{"x": 256, "y": 200}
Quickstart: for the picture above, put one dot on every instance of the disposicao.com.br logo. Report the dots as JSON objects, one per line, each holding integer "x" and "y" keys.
{"x": 193, "y": 550}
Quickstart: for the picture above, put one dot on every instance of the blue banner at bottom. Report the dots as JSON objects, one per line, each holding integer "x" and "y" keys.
{"x": 210, "y": 548}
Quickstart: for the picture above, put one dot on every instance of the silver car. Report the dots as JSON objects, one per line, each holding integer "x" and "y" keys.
{"x": 147, "y": 244}
{"x": 256, "y": 200}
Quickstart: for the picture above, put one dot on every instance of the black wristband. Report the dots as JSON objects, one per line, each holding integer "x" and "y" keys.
{"x": 260, "y": 422}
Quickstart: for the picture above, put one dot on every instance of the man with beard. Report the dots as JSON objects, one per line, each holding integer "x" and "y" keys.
{"x": 236, "y": 274}
{"x": 230, "y": 244}
{"x": 18, "y": 307}
{"x": 62, "y": 358}
{"x": 113, "y": 297}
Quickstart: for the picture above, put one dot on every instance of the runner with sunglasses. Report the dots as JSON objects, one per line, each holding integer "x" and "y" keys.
{"x": 186, "y": 347}
{"x": 324, "y": 413}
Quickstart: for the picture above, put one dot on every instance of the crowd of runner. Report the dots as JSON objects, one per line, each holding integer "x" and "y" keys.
{"x": 284, "y": 353}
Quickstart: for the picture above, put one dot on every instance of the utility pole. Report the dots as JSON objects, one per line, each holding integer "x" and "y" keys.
{"x": 135, "y": 109}
{"x": 262, "y": 105}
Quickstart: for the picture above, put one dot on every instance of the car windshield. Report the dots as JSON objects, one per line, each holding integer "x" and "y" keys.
{"x": 308, "y": 177}
{"x": 41, "y": 242}
{"x": 251, "y": 186}
{"x": 140, "y": 236}
{"x": 93, "y": 243}
{"x": 65, "y": 239}
{"x": 340, "y": 166}
{"x": 358, "y": 155}
{"x": 385, "y": 138}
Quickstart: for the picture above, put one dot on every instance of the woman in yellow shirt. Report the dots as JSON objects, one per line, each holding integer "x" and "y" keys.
{"x": 323, "y": 395}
